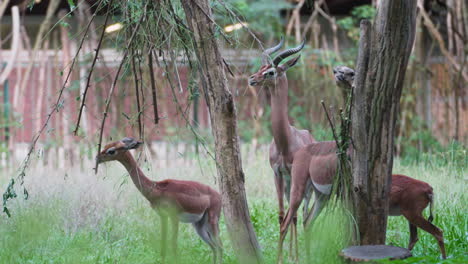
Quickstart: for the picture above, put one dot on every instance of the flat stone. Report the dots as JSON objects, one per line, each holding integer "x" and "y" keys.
{"x": 374, "y": 252}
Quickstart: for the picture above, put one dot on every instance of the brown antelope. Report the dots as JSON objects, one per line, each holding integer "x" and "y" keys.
{"x": 317, "y": 162}
{"x": 173, "y": 200}
{"x": 286, "y": 138}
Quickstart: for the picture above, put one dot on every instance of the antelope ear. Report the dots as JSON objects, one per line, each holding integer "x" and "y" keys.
{"x": 131, "y": 143}
{"x": 290, "y": 63}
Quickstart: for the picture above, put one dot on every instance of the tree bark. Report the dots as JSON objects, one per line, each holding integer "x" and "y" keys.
{"x": 224, "y": 128}
{"x": 423, "y": 50}
{"x": 456, "y": 46}
{"x": 383, "y": 57}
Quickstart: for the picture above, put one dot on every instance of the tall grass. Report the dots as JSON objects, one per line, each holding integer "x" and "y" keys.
{"x": 74, "y": 216}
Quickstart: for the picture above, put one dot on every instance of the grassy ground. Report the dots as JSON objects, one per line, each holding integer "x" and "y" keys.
{"x": 74, "y": 216}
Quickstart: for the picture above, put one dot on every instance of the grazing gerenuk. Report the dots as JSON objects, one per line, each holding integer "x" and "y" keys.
{"x": 286, "y": 138}
{"x": 173, "y": 200}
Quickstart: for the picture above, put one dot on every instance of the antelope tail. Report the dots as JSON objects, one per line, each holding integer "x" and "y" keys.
{"x": 431, "y": 206}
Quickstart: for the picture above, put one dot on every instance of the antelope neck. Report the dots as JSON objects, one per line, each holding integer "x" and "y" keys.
{"x": 143, "y": 183}
{"x": 279, "y": 115}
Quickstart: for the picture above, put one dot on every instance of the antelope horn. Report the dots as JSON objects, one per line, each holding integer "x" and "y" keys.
{"x": 284, "y": 54}
{"x": 267, "y": 52}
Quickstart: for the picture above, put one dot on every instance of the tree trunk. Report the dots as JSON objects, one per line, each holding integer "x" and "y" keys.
{"x": 423, "y": 52}
{"x": 456, "y": 34}
{"x": 383, "y": 56}
{"x": 224, "y": 128}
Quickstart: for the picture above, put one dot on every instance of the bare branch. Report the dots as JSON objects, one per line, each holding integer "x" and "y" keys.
{"x": 83, "y": 100}
{"x": 137, "y": 92}
{"x": 438, "y": 37}
{"x": 294, "y": 17}
{"x": 335, "y": 136}
{"x": 55, "y": 108}
{"x": 311, "y": 18}
{"x": 153, "y": 87}
{"x": 114, "y": 83}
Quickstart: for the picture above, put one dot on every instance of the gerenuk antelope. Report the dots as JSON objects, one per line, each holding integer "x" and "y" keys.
{"x": 286, "y": 138}
{"x": 317, "y": 162}
{"x": 173, "y": 200}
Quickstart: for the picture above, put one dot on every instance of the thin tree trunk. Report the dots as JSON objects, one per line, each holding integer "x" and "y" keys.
{"x": 456, "y": 34}
{"x": 45, "y": 25}
{"x": 425, "y": 52}
{"x": 382, "y": 61}
{"x": 3, "y": 7}
{"x": 224, "y": 128}
{"x": 4, "y": 73}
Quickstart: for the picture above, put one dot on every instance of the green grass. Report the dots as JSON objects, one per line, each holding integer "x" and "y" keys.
{"x": 74, "y": 216}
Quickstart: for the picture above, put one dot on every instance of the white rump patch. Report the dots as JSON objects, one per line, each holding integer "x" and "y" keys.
{"x": 190, "y": 218}
{"x": 323, "y": 188}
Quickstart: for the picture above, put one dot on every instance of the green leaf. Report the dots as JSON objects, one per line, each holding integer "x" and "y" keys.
{"x": 71, "y": 4}
{"x": 64, "y": 24}
{"x": 7, "y": 195}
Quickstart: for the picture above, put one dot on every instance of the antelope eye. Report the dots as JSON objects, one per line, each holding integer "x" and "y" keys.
{"x": 351, "y": 74}
{"x": 111, "y": 151}
{"x": 271, "y": 73}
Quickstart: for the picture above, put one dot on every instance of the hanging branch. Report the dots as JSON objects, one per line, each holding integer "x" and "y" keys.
{"x": 183, "y": 113}
{"x": 335, "y": 136}
{"x": 83, "y": 100}
{"x": 9, "y": 192}
{"x": 135, "y": 76}
{"x": 137, "y": 92}
{"x": 153, "y": 86}
{"x": 114, "y": 83}
{"x": 176, "y": 69}
{"x": 142, "y": 92}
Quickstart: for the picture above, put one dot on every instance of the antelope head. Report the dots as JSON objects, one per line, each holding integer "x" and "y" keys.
{"x": 344, "y": 76}
{"x": 117, "y": 149}
{"x": 271, "y": 69}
